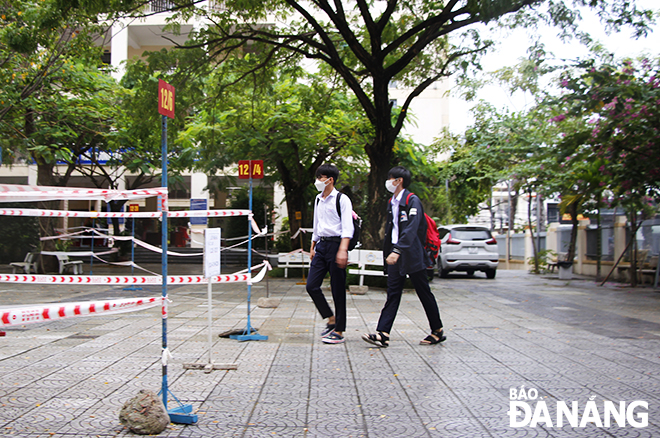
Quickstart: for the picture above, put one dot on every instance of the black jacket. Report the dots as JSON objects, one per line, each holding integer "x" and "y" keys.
{"x": 412, "y": 235}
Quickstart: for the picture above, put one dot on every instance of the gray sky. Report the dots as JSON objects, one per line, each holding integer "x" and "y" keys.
{"x": 514, "y": 45}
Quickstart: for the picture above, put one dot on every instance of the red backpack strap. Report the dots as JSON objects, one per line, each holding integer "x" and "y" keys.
{"x": 407, "y": 199}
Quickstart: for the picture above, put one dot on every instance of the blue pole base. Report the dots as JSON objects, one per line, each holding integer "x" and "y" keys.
{"x": 182, "y": 415}
{"x": 252, "y": 337}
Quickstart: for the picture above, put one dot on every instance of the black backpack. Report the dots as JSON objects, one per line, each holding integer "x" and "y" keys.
{"x": 357, "y": 224}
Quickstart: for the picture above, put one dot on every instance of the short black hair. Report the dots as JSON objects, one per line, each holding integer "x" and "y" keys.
{"x": 329, "y": 170}
{"x": 400, "y": 172}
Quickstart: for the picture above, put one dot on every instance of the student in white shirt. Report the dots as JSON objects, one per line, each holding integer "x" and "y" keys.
{"x": 329, "y": 251}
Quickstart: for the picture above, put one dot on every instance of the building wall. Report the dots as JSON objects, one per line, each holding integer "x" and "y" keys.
{"x": 428, "y": 114}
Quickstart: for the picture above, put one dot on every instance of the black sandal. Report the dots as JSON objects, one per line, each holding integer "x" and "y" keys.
{"x": 378, "y": 339}
{"x": 434, "y": 338}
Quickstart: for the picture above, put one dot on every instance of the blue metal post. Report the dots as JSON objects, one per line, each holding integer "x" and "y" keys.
{"x": 132, "y": 245}
{"x": 91, "y": 257}
{"x": 132, "y": 287}
{"x": 183, "y": 413}
{"x": 164, "y": 255}
{"x": 249, "y": 260}
{"x": 250, "y": 334}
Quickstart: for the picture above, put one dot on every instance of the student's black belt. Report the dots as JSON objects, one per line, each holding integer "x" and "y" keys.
{"x": 331, "y": 239}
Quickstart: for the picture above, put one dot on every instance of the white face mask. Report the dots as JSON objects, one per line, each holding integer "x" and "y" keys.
{"x": 320, "y": 185}
{"x": 389, "y": 185}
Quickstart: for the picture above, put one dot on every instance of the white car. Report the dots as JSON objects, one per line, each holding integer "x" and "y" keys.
{"x": 467, "y": 248}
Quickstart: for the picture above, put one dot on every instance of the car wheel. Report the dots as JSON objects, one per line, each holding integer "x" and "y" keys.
{"x": 442, "y": 273}
{"x": 490, "y": 273}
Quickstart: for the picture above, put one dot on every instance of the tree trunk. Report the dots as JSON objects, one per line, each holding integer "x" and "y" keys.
{"x": 46, "y": 228}
{"x": 44, "y": 178}
{"x": 380, "y": 157}
{"x": 599, "y": 240}
{"x": 633, "y": 256}
{"x": 513, "y": 206}
{"x": 296, "y": 182}
{"x": 491, "y": 211}
{"x": 296, "y": 201}
{"x": 115, "y": 206}
{"x": 573, "y": 209}
{"x": 531, "y": 230}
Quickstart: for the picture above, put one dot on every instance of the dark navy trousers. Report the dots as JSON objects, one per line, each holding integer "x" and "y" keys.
{"x": 395, "y": 283}
{"x": 322, "y": 263}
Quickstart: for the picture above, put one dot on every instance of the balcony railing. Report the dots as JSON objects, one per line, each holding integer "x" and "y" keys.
{"x": 160, "y": 5}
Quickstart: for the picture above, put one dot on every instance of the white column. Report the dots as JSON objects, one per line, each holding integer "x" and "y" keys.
{"x": 198, "y": 190}
{"x": 65, "y": 219}
{"x": 279, "y": 205}
{"x": 551, "y": 237}
{"x": 529, "y": 250}
{"x": 121, "y": 182}
{"x": 581, "y": 245}
{"x": 620, "y": 223}
{"x": 32, "y": 175}
{"x": 119, "y": 49}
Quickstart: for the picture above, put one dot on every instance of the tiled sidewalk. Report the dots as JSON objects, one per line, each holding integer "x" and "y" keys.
{"x": 568, "y": 341}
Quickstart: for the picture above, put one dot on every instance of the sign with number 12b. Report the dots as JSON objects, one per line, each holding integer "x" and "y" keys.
{"x": 250, "y": 169}
{"x": 165, "y": 99}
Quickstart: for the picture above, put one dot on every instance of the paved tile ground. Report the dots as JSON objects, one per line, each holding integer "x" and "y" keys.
{"x": 567, "y": 341}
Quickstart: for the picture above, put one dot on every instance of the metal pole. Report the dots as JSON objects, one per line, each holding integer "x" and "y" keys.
{"x": 538, "y": 223}
{"x": 132, "y": 244}
{"x": 508, "y": 228}
{"x": 132, "y": 287}
{"x": 91, "y": 257}
{"x": 657, "y": 272}
{"x": 249, "y": 260}
{"x": 266, "y": 246}
{"x": 248, "y": 335}
{"x": 210, "y": 318}
{"x": 164, "y": 255}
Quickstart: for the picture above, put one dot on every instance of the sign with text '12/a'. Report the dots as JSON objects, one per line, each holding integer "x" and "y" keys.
{"x": 165, "y": 99}
{"x": 250, "y": 169}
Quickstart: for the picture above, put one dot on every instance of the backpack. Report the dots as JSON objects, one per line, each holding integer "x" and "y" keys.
{"x": 430, "y": 237}
{"x": 357, "y": 224}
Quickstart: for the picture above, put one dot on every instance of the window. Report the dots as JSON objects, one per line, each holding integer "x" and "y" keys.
{"x": 442, "y": 232}
{"x": 470, "y": 234}
{"x": 161, "y": 5}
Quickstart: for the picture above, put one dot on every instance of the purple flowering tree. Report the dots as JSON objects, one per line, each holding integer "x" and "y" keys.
{"x": 619, "y": 103}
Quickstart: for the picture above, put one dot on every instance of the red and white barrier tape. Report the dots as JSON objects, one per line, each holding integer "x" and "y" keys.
{"x": 116, "y": 279}
{"x": 50, "y": 312}
{"x": 238, "y": 277}
{"x": 23, "y": 193}
{"x": 303, "y": 230}
{"x": 110, "y": 238}
{"x": 117, "y": 214}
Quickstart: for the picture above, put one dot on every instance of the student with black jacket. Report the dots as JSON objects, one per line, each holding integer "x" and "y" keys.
{"x": 403, "y": 249}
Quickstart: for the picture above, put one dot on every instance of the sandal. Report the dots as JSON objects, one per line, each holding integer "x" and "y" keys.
{"x": 434, "y": 338}
{"x": 378, "y": 339}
